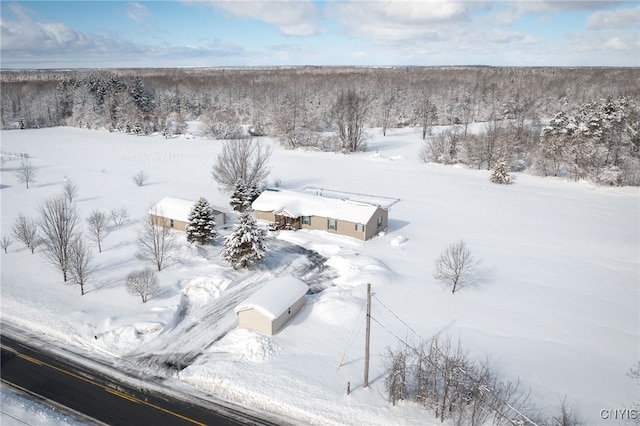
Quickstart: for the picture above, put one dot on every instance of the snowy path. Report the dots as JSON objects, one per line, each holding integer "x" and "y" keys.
{"x": 198, "y": 325}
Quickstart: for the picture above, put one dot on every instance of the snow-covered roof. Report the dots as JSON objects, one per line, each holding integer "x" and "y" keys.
{"x": 295, "y": 204}
{"x": 275, "y": 297}
{"x": 176, "y": 208}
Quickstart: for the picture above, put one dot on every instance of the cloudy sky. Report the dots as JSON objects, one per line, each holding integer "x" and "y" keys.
{"x": 102, "y": 34}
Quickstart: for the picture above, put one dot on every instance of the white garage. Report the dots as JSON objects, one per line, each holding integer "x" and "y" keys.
{"x": 269, "y": 309}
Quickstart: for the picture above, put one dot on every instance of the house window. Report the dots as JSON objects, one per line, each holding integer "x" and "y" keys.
{"x": 171, "y": 224}
{"x": 332, "y": 224}
{"x": 306, "y": 220}
{"x": 379, "y": 221}
{"x": 359, "y": 227}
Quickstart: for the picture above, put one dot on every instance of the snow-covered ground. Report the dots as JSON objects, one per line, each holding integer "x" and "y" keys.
{"x": 18, "y": 409}
{"x": 555, "y": 303}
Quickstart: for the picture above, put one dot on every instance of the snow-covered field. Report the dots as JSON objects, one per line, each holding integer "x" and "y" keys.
{"x": 555, "y": 303}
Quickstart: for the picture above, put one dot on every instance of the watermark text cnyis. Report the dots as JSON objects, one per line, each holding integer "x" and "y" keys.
{"x": 619, "y": 414}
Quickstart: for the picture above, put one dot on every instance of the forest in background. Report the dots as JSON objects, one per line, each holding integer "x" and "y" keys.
{"x": 577, "y": 122}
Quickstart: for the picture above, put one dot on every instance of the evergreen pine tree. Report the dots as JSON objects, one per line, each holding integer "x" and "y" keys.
{"x": 252, "y": 193}
{"x": 501, "y": 174}
{"x": 201, "y": 224}
{"x": 239, "y": 197}
{"x": 245, "y": 246}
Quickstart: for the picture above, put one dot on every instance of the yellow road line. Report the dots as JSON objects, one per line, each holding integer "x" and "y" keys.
{"x": 122, "y": 395}
{"x": 28, "y": 358}
{"x": 106, "y": 388}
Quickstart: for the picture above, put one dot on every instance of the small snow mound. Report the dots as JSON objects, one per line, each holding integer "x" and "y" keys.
{"x": 356, "y": 268}
{"x": 200, "y": 291}
{"x": 124, "y": 339}
{"x": 246, "y": 345}
{"x": 398, "y": 241}
{"x": 381, "y": 157}
{"x": 338, "y": 306}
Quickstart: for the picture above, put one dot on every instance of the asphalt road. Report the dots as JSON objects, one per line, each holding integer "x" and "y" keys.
{"x": 100, "y": 397}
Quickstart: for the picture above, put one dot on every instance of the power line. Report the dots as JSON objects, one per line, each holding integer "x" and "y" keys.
{"x": 398, "y": 318}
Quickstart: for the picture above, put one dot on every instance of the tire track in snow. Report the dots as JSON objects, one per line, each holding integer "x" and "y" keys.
{"x": 196, "y": 328}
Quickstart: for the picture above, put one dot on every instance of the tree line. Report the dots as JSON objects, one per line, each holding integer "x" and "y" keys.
{"x": 331, "y": 107}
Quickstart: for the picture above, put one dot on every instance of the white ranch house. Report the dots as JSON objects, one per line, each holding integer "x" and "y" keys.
{"x": 304, "y": 210}
{"x": 269, "y": 309}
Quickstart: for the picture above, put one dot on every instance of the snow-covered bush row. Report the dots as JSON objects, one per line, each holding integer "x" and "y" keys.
{"x": 441, "y": 376}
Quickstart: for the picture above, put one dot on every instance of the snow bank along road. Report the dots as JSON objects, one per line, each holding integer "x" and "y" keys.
{"x": 105, "y": 398}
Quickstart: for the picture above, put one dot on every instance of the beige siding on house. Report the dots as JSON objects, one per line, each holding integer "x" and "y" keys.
{"x": 372, "y": 226}
{"x": 349, "y": 228}
{"x": 345, "y": 227}
{"x": 163, "y": 221}
{"x": 261, "y": 215}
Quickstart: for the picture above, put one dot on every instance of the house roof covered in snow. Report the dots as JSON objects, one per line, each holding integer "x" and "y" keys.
{"x": 176, "y": 208}
{"x": 296, "y": 203}
{"x": 275, "y": 297}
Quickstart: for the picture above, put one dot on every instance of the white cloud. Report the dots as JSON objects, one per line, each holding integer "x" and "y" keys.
{"x": 516, "y": 9}
{"x": 617, "y": 19}
{"x": 25, "y": 42}
{"x": 28, "y": 35}
{"x": 394, "y": 22}
{"x": 292, "y": 18}
{"x": 137, "y": 12}
{"x": 616, "y": 44}
{"x": 609, "y": 42}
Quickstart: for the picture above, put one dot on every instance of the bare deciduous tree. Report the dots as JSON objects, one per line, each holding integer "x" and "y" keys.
{"x": 70, "y": 189}
{"x": 26, "y": 173}
{"x": 244, "y": 159}
{"x": 455, "y": 265}
{"x": 350, "y": 113}
{"x": 566, "y": 416}
{"x": 156, "y": 240}
{"x": 221, "y": 125}
{"x": 427, "y": 114}
{"x": 79, "y": 262}
{"x": 443, "y": 148}
{"x": 5, "y": 242}
{"x": 97, "y": 222}
{"x": 118, "y": 217}
{"x": 143, "y": 283}
{"x": 25, "y": 230}
{"x": 396, "y": 381}
{"x": 141, "y": 178}
{"x": 58, "y": 222}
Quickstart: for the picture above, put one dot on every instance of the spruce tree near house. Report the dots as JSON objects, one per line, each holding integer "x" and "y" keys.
{"x": 201, "y": 226}
{"x": 245, "y": 246}
{"x": 239, "y": 200}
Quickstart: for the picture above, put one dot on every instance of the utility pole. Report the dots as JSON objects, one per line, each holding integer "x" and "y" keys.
{"x": 368, "y": 332}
